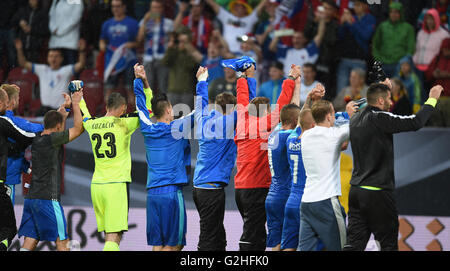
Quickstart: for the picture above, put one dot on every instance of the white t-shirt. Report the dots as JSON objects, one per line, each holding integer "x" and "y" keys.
{"x": 53, "y": 83}
{"x": 234, "y": 27}
{"x": 288, "y": 55}
{"x": 304, "y": 90}
{"x": 321, "y": 152}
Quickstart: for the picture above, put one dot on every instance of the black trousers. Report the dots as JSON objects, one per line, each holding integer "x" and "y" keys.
{"x": 8, "y": 227}
{"x": 251, "y": 205}
{"x": 210, "y": 204}
{"x": 371, "y": 212}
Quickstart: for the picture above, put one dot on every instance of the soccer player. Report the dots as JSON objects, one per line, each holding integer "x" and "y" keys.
{"x": 110, "y": 137}
{"x": 16, "y": 161}
{"x": 291, "y": 223}
{"x": 279, "y": 168}
{"x": 166, "y": 144}
{"x": 23, "y": 139}
{"x": 215, "y": 161}
{"x": 253, "y": 177}
{"x": 43, "y": 216}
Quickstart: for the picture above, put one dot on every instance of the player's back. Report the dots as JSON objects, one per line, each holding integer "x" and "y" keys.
{"x": 166, "y": 147}
{"x": 297, "y": 169}
{"x": 278, "y": 162}
{"x": 110, "y": 138}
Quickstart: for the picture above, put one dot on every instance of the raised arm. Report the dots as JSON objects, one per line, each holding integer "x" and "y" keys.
{"x": 321, "y": 30}
{"x": 79, "y": 66}
{"x": 77, "y": 128}
{"x": 215, "y": 7}
{"x": 21, "y": 59}
{"x": 391, "y": 123}
{"x": 201, "y": 100}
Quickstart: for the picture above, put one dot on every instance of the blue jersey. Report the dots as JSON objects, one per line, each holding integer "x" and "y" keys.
{"x": 117, "y": 33}
{"x": 278, "y": 162}
{"x": 215, "y": 131}
{"x": 167, "y": 146}
{"x": 297, "y": 169}
{"x": 18, "y": 164}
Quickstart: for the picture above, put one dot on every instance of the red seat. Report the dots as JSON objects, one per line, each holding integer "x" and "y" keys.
{"x": 93, "y": 90}
{"x": 29, "y": 84}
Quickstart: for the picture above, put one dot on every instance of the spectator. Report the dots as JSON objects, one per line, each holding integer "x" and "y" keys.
{"x": 443, "y": 7}
{"x": 400, "y": 102}
{"x": 95, "y": 14}
{"x": 200, "y": 26}
{"x": 413, "y": 85}
{"x": 64, "y": 25}
{"x": 237, "y": 23}
{"x": 31, "y": 23}
{"x": 223, "y": 84}
{"x": 7, "y": 10}
{"x": 438, "y": 73}
{"x": 393, "y": 39}
{"x": 249, "y": 47}
{"x": 154, "y": 31}
{"x": 272, "y": 88}
{"x": 301, "y": 51}
{"x": 355, "y": 91}
{"x": 120, "y": 30}
{"x": 354, "y": 35}
{"x": 299, "y": 20}
{"x": 181, "y": 66}
{"x": 429, "y": 40}
{"x": 308, "y": 81}
{"x": 264, "y": 31}
{"x": 54, "y": 77}
{"x": 326, "y": 63}
{"x": 217, "y": 51}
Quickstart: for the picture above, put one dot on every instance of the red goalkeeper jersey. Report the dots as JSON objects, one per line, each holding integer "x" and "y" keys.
{"x": 251, "y": 137}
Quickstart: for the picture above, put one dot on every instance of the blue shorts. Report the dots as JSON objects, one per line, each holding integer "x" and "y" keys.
{"x": 291, "y": 224}
{"x": 43, "y": 220}
{"x": 166, "y": 216}
{"x": 275, "y": 216}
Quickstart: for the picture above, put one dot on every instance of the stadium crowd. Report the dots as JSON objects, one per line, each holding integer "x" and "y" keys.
{"x": 172, "y": 38}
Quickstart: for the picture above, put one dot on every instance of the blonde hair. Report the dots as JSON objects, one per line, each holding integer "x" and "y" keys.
{"x": 11, "y": 90}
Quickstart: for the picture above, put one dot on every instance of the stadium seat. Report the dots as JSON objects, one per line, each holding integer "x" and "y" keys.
{"x": 93, "y": 90}
{"x": 29, "y": 84}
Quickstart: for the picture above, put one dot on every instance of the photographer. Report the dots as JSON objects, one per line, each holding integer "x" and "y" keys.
{"x": 181, "y": 66}
{"x": 372, "y": 207}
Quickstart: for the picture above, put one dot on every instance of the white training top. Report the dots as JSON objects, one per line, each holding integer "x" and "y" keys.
{"x": 53, "y": 83}
{"x": 321, "y": 151}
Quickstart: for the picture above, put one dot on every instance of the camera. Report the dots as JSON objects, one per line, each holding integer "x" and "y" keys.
{"x": 377, "y": 75}
{"x": 75, "y": 86}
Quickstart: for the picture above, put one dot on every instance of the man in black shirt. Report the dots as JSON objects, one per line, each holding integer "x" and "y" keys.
{"x": 43, "y": 216}
{"x": 372, "y": 207}
{"x": 8, "y": 227}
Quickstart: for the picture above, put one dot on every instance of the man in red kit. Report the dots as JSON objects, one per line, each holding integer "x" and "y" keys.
{"x": 252, "y": 181}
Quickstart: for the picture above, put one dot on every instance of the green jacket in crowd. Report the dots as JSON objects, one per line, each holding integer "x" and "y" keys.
{"x": 392, "y": 41}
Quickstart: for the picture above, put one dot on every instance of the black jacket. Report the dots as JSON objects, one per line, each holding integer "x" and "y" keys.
{"x": 371, "y": 138}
